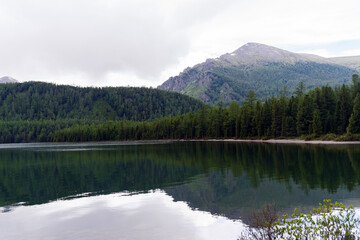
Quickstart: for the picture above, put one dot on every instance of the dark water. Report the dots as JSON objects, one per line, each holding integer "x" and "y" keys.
{"x": 206, "y": 179}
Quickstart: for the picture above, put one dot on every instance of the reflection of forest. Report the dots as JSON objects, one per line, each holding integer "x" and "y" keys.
{"x": 236, "y": 197}
{"x": 223, "y": 178}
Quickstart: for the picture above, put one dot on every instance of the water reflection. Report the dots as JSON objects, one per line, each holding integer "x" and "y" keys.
{"x": 153, "y": 215}
{"x": 228, "y": 179}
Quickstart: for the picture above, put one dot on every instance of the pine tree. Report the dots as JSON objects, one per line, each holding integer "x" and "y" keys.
{"x": 247, "y": 115}
{"x": 327, "y": 109}
{"x": 234, "y": 118}
{"x": 344, "y": 109}
{"x": 356, "y": 85}
{"x": 354, "y": 122}
{"x": 291, "y": 116}
{"x": 300, "y": 90}
{"x": 304, "y": 116}
{"x": 266, "y": 118}
{"x": 316, "y": 123}
{"x": 276, "y": 119}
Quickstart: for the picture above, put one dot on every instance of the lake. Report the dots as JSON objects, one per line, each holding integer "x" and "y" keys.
{"x": 164, "y": 190}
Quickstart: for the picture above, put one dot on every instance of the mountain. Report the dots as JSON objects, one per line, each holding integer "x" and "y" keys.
{"x": 351, "y": 62}
{"x": 261, "y": 68}
{"x": 44, "y": 101}
{"x": 8, "y": 79}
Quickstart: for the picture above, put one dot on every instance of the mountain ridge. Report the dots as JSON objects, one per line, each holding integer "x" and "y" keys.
{"x": 7, "y": 79}
{"x": 259, "y": 67}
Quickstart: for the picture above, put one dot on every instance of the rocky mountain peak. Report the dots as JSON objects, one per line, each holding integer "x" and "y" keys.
{"x": 256, "y": 53}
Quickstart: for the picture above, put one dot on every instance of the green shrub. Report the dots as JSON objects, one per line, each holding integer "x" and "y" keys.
{"x": 328, "y": 221}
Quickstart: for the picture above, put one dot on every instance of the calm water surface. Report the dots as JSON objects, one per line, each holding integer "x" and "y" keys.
{"x": 163, "y": 190}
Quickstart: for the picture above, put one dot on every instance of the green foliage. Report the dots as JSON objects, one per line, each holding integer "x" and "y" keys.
{"x": 356, "y": 84}
{"x": 344, "y": 109}
{"x": 277, "y": 115}
{"x": 310, "y": 116}
{"x": 300, "y": 90}
{"x": 33, "y": 131}
{"x": 321, "y": 111}
{"x": 44, "y": 101}
{"x": 354, "y": 122}
{"x": 329, "y": 221}
{"x": 316, "y": 123}
{"x": 305, "y": 115}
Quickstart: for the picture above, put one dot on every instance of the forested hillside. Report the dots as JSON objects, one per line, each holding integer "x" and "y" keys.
{"x": 323, "y": 112}
{"x": 44, "y": 101}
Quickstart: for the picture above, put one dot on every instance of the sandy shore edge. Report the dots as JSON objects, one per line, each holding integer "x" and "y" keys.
{"x": 281, "y": 141}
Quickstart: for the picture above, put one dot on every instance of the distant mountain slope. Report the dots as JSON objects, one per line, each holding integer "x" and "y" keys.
{"x": 8, "y": 79}
{"x": 40, "y": 101}
{"x": 351, "y": 62}
{"x": 258, "y": 67}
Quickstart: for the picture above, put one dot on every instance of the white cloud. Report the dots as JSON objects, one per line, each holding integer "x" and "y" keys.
{"x": 101, "y": 42}
{"x": 354, "y": 52}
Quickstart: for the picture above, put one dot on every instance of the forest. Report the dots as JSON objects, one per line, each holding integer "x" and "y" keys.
{"x": 326, "y": 111}
{"x": 35, "y": 101}
{"x": 33, "y": 112}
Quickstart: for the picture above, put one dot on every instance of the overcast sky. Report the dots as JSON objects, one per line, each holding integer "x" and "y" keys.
{"x": 144, "y": 42}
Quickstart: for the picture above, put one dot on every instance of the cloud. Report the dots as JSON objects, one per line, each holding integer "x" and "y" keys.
{"x": 97, "y": 37}
{"x": 142, "y": 42}
{"x": 93, "y": 36}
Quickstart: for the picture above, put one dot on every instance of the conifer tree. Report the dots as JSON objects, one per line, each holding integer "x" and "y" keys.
{"x": 304, "y": 116}
{"x": 234, "y": 118}
{"x": 247, "y": 115}
{"x": 316, "y": 123}
{"x": 327, "y": 109}
{"x": 258, "y": 119}
{"x": 276, "y": 119}
{"x": 266, "y": 118}
{"x": 344, "y": 109}
{"x": 354, "y": 122}
{"x": 356, "y": 85}
{"x": 300, "y": 90}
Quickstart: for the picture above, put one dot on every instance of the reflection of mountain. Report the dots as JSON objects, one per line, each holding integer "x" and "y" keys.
{"x": 223, "y": 178}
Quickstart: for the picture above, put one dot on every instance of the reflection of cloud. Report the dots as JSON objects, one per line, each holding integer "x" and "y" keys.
{"x": 6, "y": 209}
{"x": 152, "y": 215}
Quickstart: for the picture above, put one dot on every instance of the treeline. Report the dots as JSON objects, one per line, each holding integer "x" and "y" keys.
{"x": 321, "y": 111}
{"x": 38, "y": 101}
{"x": 35, "y": 131}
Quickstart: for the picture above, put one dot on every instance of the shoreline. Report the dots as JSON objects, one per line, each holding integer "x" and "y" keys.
{"x": 231, "y": 140}
{"x": 276, "y": 141}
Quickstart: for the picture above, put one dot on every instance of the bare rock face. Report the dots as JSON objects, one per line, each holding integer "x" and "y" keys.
{"x": 178, "y": 83}
{"x": 261, "y": 68}
{"x": 8, "y": 79}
